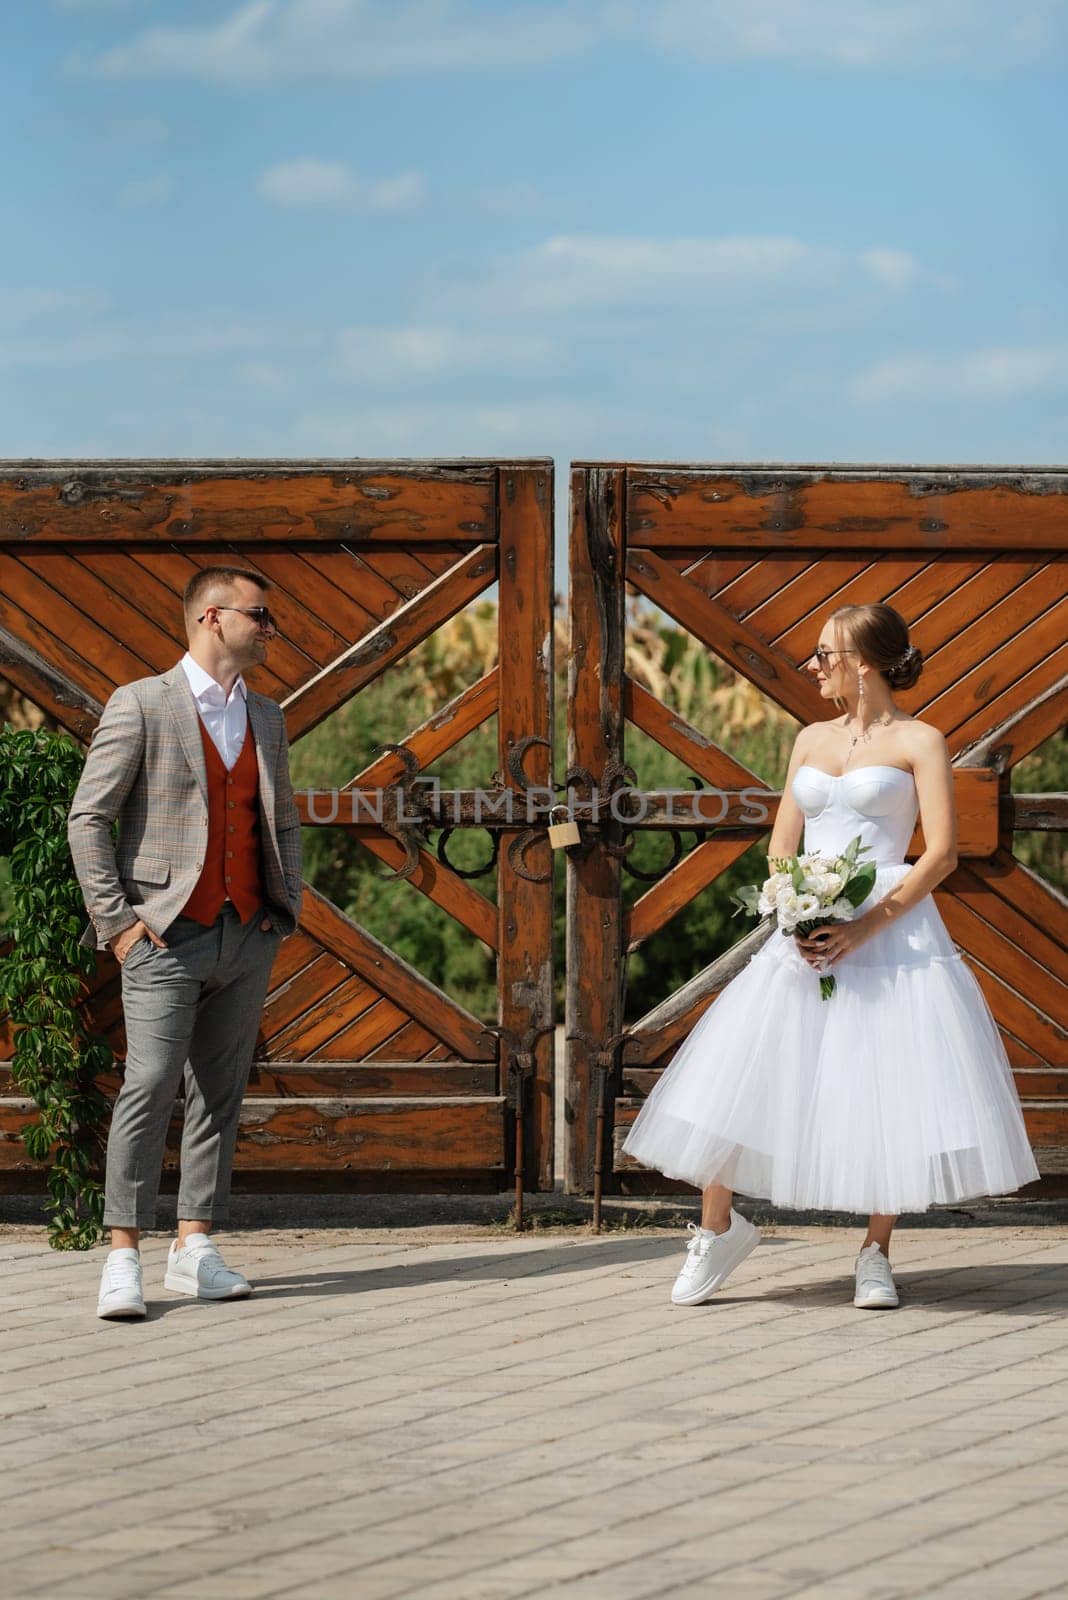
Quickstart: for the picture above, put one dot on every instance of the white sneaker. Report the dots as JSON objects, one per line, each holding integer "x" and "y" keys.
{"x": 709, "y": 1258}
{"x": 199, "y": 1269}
{"x": 121, "y": 1294}
{"x": 875, "y": 1281}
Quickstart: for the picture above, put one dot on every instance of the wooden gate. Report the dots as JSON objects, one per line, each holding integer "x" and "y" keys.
{"x": 749, "y": 561}
{"x": 368, "y": 1076}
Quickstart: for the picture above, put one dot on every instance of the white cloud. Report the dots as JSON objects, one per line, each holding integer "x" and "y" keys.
{"x": 857, "y": 33}
{"x": 264, "y": 41}
{"x": 893, "y": 269}
{"x": 1004, "y": 372}
{"x": 143, "y": 193}
{"x": 385, "y": 354}
{"x": 333, "y": 186}
{"x": 609, "y": 271}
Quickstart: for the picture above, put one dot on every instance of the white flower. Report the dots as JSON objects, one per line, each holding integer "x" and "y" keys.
{"x": 786, "y": 908}
{"x": 827, "y": 885}
{"x": 767, "y": 902}
{"x": 807, "y": 906}
{"x": 844, "y": 910}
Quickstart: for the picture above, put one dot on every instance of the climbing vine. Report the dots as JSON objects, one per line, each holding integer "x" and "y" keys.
{"x": 56, "y": 1061}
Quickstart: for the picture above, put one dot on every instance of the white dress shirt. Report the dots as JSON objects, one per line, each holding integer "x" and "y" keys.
{"x": 226, "y": 718}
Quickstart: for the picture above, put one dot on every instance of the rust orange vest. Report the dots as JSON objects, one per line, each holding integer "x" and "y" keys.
{"x": 232, "y": 867}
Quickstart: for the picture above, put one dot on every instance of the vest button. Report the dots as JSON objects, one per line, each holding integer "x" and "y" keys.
{"x": 229, "y": 855}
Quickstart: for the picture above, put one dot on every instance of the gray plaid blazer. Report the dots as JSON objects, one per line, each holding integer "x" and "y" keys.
{"x": 145, "y": 769}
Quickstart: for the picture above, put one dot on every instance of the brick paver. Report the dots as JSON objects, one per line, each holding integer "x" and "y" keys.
{"x": 469, "y": 1415}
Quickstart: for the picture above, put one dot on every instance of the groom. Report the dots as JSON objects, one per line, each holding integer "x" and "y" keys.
{"x": 194, "y": 899}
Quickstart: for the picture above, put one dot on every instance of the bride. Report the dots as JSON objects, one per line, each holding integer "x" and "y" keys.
{"x": 894, "y": 1093}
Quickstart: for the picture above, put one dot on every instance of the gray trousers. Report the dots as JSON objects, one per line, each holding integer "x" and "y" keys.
{"x": 192, "y": 1010}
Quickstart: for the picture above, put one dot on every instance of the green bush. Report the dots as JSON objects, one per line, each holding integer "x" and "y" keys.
{"x": 56, "y": 1061}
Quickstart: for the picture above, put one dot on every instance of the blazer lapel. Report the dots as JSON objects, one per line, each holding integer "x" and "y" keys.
{"x": 266, "y": 736}
{"x": 186, "y": 719}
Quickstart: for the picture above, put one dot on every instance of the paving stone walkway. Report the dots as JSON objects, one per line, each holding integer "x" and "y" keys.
{"x": 467, "y": 1415}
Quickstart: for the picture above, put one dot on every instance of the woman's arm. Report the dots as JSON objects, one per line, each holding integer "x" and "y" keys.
{"x": 789, "y": 819}
{"x": 938, "y": 814}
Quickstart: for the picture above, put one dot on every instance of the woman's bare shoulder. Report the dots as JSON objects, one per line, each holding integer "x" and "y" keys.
{"x": 920, "y": 740}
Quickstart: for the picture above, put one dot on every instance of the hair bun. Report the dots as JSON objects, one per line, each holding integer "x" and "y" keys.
{"x": 906, "y": 669}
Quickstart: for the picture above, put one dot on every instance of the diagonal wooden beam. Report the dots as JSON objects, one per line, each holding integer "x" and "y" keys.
{"x": 364, "y": 661}
{"x": 393, "y": 977}
{"x": 680, "y": 738}
{"x": 427, "y": 743}
{"x": 1017, "y": 734}
{"x": 731, "y": 640}
{"x": 49, "y": 688}
{"x": 679, "y": 886}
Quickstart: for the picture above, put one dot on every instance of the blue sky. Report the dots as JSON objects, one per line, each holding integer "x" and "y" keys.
{"x": 708, "y": 230}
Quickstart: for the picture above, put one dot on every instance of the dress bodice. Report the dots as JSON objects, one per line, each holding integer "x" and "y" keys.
{"x": 877, "y": 802}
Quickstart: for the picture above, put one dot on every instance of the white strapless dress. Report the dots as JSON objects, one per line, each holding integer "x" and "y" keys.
{"x": 893, "y": 1094}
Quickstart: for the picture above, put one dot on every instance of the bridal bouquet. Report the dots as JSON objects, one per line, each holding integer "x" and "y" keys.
{"x": 807, "y": 892}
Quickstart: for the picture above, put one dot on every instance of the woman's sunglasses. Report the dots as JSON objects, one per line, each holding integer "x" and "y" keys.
{"x": 823, "y": 656}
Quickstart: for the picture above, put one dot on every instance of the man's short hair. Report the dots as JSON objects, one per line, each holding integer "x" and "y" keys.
{"x": 202, "y": 583}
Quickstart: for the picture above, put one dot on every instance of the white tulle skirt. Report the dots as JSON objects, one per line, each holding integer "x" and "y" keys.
{"x": 894, "y": 1094}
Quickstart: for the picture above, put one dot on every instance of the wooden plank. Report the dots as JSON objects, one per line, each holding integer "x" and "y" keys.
{"x": 1000, "y": 624}
{"x": 594, "y": 923}
{"x": 1035, "y": 708}
{"x": 41, "y": 680}
{"x": 333, "y": 1080}
{"x": 385, "y": 970}
{"x": 814, "y": 590}
{"x": 330, "y": 607}
{"x": 671, "y": 730}
{"x": 1045, "y": 945}
{"x": 119, "y": 612}
{"x": 712, "y": 572}
{"x": 85, "y": 677}
{"x": 412, "y": 1134}
{"x": 761, "y": 580}
{"x": 309, "y": 1034}
{"x": 874, "y": 583}
{"x": 525, "y": 709}
{"x": 968, "y": 604}
{"x": 438, "y": 882}
{"x": 359, "y": 503}
{"x": 888, "y": 507}
{"x": 975, "y": 690}
{"x": 371, "y": 1028}
{"x": 346, "y": 575}
{"x": 677, "y": 888}
{"x": 291, "y": 1000}
{"x": 733, "y": 641}
{"x": 931, "y": 584}
{"x": 366, "y": 660}
{"x": 1043, "y": 905}
{"x": 1015, "y": 965}
{"x": 401, "y": 569}
{"x": 1012, "y": 1011}
{"x": 413, "y": 1042}
{"x": 431, "y": 739}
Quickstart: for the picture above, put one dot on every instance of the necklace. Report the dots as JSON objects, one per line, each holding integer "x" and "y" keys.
{"x": 865, "y": 737}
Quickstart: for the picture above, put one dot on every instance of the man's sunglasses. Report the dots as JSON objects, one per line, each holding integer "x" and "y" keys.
{"x": 259, "y": 614}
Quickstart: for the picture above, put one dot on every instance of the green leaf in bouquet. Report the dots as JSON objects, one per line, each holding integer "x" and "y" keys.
{"x": 860, "y": 885}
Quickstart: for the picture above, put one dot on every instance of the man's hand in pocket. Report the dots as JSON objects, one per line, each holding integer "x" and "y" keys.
{"x": 124, "y": 942}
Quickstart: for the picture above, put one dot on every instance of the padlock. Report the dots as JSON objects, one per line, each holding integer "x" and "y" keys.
{"x": 561, "y": 834}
